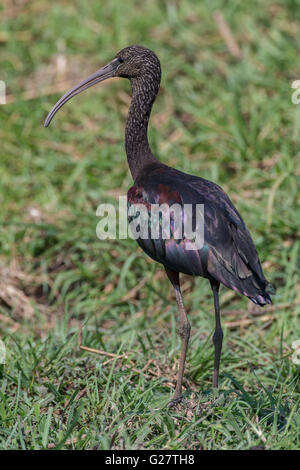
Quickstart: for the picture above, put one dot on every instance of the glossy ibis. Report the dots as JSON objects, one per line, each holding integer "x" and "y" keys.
{"x": 228, "y": 255}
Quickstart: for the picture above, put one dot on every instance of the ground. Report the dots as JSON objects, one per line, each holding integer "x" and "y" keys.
{"x": 225, "y": 113}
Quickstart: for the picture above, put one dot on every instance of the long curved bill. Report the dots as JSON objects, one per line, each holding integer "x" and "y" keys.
{"x": 108, "y": 71}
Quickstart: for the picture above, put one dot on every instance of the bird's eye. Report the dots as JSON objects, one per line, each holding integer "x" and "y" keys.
{"x": 120, "y": 60}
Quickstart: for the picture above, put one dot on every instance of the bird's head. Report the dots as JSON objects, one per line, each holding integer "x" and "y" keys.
{"x": 133, "y": 62}
{"x": 136, "y": 61}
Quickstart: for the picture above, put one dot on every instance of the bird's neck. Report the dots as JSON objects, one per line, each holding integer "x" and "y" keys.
{"x": 139, "y": 154}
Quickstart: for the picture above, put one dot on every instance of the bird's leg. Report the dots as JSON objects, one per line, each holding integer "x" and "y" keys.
{"x": 218, "y": 334}
{"x": 184, "y": 332}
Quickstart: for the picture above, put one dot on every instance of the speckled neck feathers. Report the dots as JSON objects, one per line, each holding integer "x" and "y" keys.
{"x": 144, "y": 90}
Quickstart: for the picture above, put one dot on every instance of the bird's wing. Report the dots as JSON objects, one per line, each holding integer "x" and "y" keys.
{"x": 228, "y": 253}
{"x": 227, "y": 234}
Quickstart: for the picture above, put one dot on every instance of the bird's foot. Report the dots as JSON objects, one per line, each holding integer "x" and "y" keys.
{"x": 175, "y": 401}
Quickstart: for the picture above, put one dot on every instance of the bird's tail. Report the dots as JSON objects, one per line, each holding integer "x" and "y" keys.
{"x": 264, "y": 297}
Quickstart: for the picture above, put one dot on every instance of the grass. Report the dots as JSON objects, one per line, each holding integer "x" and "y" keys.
{"x": 227, "y": 119}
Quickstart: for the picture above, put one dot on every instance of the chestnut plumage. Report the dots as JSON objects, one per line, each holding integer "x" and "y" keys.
{"x": 228, "y": 255}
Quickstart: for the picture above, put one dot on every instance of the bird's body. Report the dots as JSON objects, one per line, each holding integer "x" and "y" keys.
{"x": 227, "y": 254}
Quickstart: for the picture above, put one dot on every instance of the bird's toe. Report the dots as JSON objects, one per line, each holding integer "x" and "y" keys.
{"x": 175, "y": 401}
